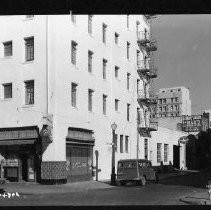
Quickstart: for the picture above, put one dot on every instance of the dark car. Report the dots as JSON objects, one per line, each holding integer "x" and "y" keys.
{"x": 133, "y": 170}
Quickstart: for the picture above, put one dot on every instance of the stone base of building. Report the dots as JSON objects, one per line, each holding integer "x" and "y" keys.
{"x": 53, "y": 172}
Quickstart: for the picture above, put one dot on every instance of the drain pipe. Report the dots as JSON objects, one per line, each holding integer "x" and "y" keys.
{"x": 46, "y": 66}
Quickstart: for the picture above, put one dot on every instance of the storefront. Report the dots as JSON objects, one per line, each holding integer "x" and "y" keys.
{"x": 79, "y": 154}
{"x": 18, "y": 149}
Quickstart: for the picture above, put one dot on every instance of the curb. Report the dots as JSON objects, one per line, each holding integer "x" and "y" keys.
{"x": 194, "y": 202}
{"x": 176, "y": 175}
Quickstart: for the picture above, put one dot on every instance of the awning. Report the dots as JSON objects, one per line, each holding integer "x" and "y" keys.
{"x": 80, "y": 142}
{"x": 80, "y": 136}
{"x": 17, "y": 142}
{"x": 19, "y": 135}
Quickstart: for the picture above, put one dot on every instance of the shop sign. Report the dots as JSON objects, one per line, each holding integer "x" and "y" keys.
{"x": 10, "y": 162}
{"x": 194, "y": 123}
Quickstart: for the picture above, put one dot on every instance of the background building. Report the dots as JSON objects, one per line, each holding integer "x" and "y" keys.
{"x": 64, "y": 80}
{"x": 173, "y": 102}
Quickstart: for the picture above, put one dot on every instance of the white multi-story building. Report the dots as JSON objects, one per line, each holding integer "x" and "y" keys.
{"x": 64, "y": 80}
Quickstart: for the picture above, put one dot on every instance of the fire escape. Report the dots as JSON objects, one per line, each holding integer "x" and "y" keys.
{"x": 147, "y": 98}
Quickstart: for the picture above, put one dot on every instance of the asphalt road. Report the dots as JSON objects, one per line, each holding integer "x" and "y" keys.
{"x": 167, "y": 192}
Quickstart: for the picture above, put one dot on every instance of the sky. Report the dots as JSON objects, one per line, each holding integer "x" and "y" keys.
{"x": 183, "y": 57}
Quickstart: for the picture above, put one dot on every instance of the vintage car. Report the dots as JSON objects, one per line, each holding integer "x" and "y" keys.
{"x": 135, "y": 170}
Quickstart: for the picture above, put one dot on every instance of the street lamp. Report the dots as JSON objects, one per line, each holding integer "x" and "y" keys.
{"x": 113, "y": 175}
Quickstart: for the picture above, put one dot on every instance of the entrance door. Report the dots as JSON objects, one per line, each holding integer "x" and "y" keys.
{"x": 24, "y": 167}
{"x": 176, "y": 157}
{"x": 79, "y": 160}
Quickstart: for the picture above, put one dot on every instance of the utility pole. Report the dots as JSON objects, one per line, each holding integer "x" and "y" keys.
{"x": 113, "y": 175}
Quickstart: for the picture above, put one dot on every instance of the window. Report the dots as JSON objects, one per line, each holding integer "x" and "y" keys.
{"x": 128, "y": 112}
{"x": 7, "y": 48}
{"x": 90, "y": 94}
{"x": 166, "y": 152}
{"x": 138, "y": 116}
{"x": 90, "y": 54}
{"x": 29, "y": 48}
{"x": 126, "y": 143}
{"x": 146, "y": 149}
{"x": 90, "y": 24}
{"x": 128, "y": 81}
{"x": 104, "y": 32}
{"x": 138, "y": 56}
{"x": 176, "y": 99}
{"x": 164, "y": 100}
{"x": 7, "y": 90}
{"x": 73, "y": 94}
{"x": 138, "y": 83}
{"x": 29, "y": 92}
{"x": 104, "y": 68}
{"x": 160, "y": 101}
{"x": 165, "y": 108}
{"x": 116, "y": 105}
{"x": 160, "y": 108}
{"x": 73, "y": 18}
{"x": 171, "y": 108}
{"x": 73, "y": 52}
{"x": 116, "y": 38}
{"x": 116, "y": 72}
{"x": 128, "y": 21}
{"x": 104, "y": 104}
{"x": 128, "y": 50}
{"x": 172, "y": 100}
{"x": 158, "y": 152}
{"x": 121, "y": 143}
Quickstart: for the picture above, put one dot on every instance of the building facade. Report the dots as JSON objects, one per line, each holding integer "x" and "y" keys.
{"x": 64, "y": 80}
{"x": 173, "y": 102}
{"x": 166, "y": 147}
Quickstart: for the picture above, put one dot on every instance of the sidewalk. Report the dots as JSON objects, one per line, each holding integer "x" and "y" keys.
{"x": 198, "y": 198}
{"x": 163, "y": 176}
{"x": 25, "y": 188}
{"x": 36, "y": 188}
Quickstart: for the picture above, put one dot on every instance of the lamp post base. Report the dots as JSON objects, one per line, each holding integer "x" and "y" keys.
{"x": 113, "y": 179}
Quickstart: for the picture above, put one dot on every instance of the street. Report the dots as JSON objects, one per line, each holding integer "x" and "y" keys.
{"x": 167, "y": 192}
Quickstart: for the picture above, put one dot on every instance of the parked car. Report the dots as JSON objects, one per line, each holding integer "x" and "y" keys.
{"x": 133, "y": 170}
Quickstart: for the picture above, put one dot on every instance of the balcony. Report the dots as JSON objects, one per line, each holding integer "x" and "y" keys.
{"x": 145, "y": 40}
{"x": 146, "y": 68}
{"x": 149, "y": 98}
{"x": 152, "y": 125}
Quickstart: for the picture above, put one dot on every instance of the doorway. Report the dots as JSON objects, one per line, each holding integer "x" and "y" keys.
{"x": 24, "y": 166}
{"x": 176, "y": 156}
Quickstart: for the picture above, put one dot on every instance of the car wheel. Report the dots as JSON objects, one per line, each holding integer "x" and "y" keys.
{"x": 122, "y": 183}
{"x": 143, "y": 181}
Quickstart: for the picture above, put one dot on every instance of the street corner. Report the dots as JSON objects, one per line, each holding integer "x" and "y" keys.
{"x": 196, "y": 200}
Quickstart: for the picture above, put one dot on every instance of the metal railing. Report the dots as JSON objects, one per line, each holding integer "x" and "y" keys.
{"x": 149, "y": 123}
{"x": 147, "y": 95}
{"x": 145, "y": 39}
{"x": 143, "y": 36}
{"x": 152, "y": 45}
{"x": 145, "y": 64}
